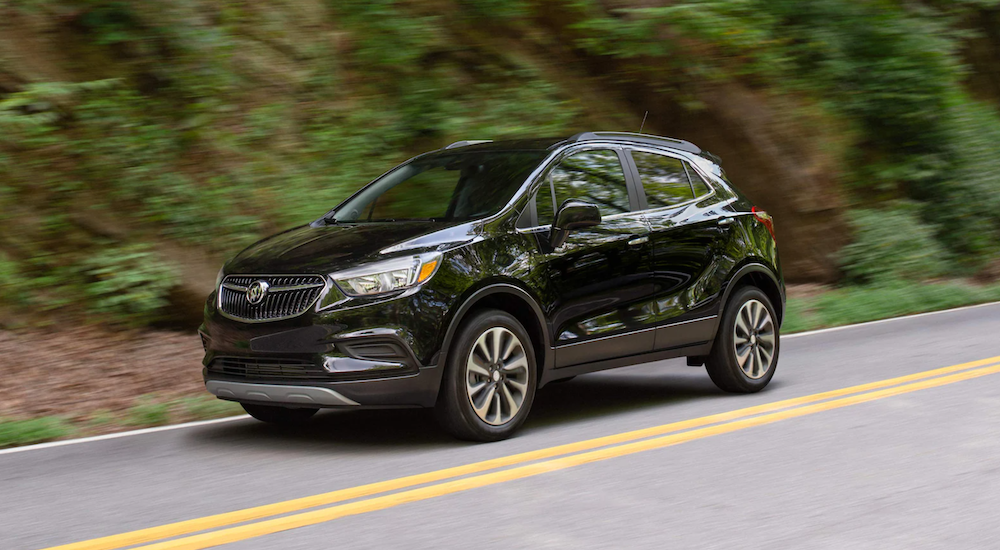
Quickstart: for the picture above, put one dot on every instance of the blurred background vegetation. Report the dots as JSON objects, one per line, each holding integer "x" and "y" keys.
{"x": 143, "y": 142}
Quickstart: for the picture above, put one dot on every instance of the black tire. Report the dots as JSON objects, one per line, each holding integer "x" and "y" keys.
{"x": 454, "y": 410}
{"x": 278, "y": 415}
{"x": 722, "y": 364}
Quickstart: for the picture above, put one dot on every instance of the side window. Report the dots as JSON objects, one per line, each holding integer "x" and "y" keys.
{"x": 543, "y": 204}
{"x": 664, "y": 179}
{"x": 593, "y": 176}
{"x": 698, "y": 183}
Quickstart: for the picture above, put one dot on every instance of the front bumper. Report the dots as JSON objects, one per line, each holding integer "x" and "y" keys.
{"x": 381, "y": 355}
{"x": 417, "y": 390}
{"x": 306, "y": 396}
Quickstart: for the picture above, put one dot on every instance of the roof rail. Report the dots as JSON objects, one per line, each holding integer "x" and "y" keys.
{"x": 641, "y": 138}
{"x": 466, "y": 142}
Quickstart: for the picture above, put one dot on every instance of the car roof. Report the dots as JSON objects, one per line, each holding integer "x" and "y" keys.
{"x": 541, "y": 144}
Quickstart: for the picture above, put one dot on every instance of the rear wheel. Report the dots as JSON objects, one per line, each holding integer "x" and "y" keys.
{"x": 278, "y": 415}
{"x": 489, "y": 383}
{"x": 745, "y": 352}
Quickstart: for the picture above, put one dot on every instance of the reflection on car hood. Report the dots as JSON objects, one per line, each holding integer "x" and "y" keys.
{"x": 328, "y": 248}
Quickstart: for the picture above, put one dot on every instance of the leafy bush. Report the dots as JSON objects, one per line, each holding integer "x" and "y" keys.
{"x": 892, "y": 70}
{"x": 14, "y": 287}
{"x": 130, "y": 284}
{"x": 892, "y": 243}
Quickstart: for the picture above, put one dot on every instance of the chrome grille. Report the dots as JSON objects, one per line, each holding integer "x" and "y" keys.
{"x": 257, "y": 368}
{"x": 287, "y": 296}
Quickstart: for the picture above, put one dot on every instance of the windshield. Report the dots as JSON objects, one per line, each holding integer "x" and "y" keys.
{"x": 445, "y": 186}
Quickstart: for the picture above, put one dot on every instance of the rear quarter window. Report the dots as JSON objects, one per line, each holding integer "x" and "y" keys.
{"x": 663, "y": 178}
{"x": 698, "y": 183}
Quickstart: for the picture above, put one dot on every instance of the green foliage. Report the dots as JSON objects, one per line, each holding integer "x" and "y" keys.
{"x": 503, "y": 9}
{"x": 112, "y": 22}
{"x": 226, "y": 122}
{"x": 147, "y": 412}
{"x": 129, "y": 283}
{"x": 892, "y": 243}
{"x": 36, "y": 430}
{"x": 859, "y": 304}
{"x": 892, "y": 299}
{"x": 14, "y": 286}
{"x": 892, "y": 70}
{"x": 204, "y": 407}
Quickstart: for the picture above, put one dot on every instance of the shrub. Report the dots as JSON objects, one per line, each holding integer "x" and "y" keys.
{"x": 892, "y": 243}
{"x": 129, "y": 283}
{"x": 14, "y": 286}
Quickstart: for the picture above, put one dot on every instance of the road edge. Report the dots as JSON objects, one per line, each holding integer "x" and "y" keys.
{"x": 144, "y": 431}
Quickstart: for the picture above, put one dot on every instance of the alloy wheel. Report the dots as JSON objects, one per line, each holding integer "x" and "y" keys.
{"x": 496, "y": 377}
{"x": 753, "y": 339}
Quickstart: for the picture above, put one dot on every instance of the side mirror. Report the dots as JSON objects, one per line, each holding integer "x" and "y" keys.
{"x": 572, "y": 215}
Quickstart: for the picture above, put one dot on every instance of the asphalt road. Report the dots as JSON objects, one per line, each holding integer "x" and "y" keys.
{"x": 905, "y": 466}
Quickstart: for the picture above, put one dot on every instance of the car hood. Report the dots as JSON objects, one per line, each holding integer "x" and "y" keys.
{"x": 321, "y": 249}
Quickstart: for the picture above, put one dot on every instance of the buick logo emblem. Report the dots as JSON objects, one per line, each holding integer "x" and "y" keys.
{"x": 257, "y": 291}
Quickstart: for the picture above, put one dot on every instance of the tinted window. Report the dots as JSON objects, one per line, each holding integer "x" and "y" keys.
{"x": 543, "y": 205}
{"x": 664, "y": 179}
{"x": 593, "y": 176}
{"x": 698, "y": 183}
{"x": 443, "y": 186}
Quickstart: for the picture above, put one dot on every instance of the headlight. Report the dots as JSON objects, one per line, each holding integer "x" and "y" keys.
{"x": 387, "y": 276}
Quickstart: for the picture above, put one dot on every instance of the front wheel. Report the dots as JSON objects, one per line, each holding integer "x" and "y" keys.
{"x": 490, "y": 380}
{"x": 745, "y": 352}
{"x": 278, "y": 415}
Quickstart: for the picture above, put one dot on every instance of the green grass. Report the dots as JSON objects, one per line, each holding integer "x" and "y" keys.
{"x": 203, "y": 407}
{"x": 858, "y": 304}
{"x": 14, "y": 433}
{"x": 146, "y": 412}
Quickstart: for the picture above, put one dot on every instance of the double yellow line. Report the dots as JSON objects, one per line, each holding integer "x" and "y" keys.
{"x": 490, "y": 472}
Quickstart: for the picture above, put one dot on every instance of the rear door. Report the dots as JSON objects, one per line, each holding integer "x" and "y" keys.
{"x": 687, "y": 235}
{"x": 601, "y": 273}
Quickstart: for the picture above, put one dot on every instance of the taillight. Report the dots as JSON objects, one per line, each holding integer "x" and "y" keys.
{"x": 765, "y": 219}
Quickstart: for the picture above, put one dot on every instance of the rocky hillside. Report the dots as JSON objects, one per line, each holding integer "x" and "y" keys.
{"x": 141, "y": 142}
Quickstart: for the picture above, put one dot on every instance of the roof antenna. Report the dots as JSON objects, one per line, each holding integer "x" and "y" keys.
{"x": 643, "y": 122}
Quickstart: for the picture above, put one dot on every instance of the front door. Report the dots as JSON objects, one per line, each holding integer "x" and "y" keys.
{"x": 601, "y": 273}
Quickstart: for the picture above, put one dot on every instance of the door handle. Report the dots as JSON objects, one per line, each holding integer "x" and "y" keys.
{"x": 638, "y": 240}
{"x": 725, "y": 221}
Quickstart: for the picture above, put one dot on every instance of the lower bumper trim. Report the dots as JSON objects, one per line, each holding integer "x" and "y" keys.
{"x": 278, "y": 394}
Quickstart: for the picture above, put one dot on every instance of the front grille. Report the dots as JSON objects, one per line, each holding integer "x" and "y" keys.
{"x": 261, "y": 368}
{"x": 286, "y": 296}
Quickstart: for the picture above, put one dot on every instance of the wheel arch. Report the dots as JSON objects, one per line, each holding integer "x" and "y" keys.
{"x": 517, "y": 302}
{"x": 762, "y": 277}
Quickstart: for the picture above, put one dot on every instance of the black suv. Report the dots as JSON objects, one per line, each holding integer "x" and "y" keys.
{"x": 466, "y": 278}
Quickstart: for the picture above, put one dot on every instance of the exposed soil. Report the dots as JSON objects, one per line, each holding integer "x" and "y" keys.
{"x": 805, "y": 290}
{"x": 81, "y": 371}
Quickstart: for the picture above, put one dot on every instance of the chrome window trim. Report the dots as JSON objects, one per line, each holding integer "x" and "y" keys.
{"x": 535, "y": 228}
